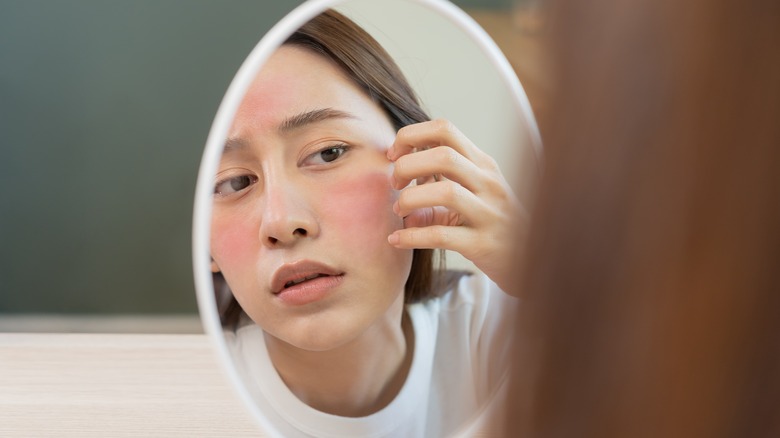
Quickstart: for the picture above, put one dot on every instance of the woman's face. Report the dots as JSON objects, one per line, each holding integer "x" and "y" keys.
{"x": 303, "y": 206}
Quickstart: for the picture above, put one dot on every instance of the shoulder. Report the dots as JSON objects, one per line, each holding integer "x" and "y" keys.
{"x": 475, "y": 317}
{"x": 473, "y": 297}
{"x": 472, "y": 326}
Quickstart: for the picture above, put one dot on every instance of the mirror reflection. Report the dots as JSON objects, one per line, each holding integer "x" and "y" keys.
{"x": 334, "y": 199}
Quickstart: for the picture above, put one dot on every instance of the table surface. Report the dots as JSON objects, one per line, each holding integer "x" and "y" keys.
{"x": 168, "y": 385}
{"x": 125, "y": 385}
{"x": 116, "y": 385}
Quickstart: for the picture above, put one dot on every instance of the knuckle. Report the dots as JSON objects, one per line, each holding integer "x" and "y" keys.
{"x": 447, "y": 156}
{"x": 441, "y": 237}
{"x": 399, "y": 165}
{"x": 408, "y": 199}
{"x": 403, "y": 166}
{"x": 491, "y": 163}
{"x": 451, "y": 192}
{"x": 414, "y": 238}
{"x": 492, "y": 185}
{"x": 427, "y": 237}
{"x": 445, "y": 127}
{"x": 403, "y": 200}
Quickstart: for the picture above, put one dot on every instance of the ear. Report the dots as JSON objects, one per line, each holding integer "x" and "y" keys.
{"x": 214, "y": 267}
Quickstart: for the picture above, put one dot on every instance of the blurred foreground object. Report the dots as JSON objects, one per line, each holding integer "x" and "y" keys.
{"x": 652, "y": 280}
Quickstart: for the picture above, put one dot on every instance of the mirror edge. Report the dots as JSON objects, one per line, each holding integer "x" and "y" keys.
{"x": 219, "y": 130}
{"x": 494, "y": 54}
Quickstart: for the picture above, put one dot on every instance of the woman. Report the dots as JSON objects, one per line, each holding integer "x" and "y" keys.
{"x": 332, "y": 190}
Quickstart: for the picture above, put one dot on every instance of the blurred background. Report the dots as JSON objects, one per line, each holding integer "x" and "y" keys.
{"x": 105, "y": 107}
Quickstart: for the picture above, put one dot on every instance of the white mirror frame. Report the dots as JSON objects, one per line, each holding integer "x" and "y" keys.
{"x": 202, "y": 210}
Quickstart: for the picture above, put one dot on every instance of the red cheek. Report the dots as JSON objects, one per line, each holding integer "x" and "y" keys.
{"x": 362, "y": 204}
{"x": 229, "y": 242}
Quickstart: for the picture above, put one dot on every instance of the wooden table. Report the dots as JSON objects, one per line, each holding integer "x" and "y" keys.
{"x": 127, "y": 385}
{"x": 122, "y": 385}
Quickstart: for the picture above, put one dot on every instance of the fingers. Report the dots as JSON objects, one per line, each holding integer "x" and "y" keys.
{"x": 464, "y": 207}
{"x": 444, "y": 161}
{"x": 441, "y": 150}
{"x": 459, "y": 239}
{"x": 440, "y": 132}
{"x": 461, "y": 201}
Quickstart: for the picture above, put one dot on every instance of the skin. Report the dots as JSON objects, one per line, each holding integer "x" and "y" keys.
{"x": 283, "y": 196}
{"x": 345, "y": 208}
{"x": 468, "y": 207}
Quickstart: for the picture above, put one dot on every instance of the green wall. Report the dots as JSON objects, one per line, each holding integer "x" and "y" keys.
{"x": 104, "y": 111}
{"x": 105, "y": 106}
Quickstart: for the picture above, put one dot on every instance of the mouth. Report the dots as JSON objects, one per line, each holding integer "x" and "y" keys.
{"x": 299, "y": 274}
{"x": 301, "y": 280}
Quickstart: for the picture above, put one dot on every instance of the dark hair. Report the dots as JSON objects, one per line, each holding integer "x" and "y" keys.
{"x": 368, "y": 65}
{"x": 653, "y": 271}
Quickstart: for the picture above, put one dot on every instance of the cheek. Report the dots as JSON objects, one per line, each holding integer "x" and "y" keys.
{"x": 231, "y": 239}
{"x": 362, "y": 206}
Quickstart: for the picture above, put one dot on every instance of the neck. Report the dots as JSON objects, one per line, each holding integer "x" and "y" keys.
{"x": 353, "y": 380}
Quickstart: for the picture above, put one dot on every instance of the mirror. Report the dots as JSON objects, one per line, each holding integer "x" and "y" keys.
{"x": 323, "y": 326}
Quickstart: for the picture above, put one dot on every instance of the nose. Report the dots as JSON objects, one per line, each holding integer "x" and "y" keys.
{"x": 287, "y": 216}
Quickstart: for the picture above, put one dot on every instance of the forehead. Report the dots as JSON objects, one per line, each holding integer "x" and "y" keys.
{"x": 295, "y": 80}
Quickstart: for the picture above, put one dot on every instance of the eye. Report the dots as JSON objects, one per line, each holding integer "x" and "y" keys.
{"x": 235, "y": 184}
{"x": 327, "y": 155}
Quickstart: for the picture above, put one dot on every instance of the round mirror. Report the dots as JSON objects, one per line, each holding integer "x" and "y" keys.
{"x": 325, "y": 324}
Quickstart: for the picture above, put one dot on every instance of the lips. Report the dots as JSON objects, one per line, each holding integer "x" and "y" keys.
{"x": 292, "y": 274}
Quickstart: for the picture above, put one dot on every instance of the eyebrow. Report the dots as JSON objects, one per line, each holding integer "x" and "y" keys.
{"x": 294, "y": 123}
{"x": 234, "y": 144}
{"x": 310, "y": 117}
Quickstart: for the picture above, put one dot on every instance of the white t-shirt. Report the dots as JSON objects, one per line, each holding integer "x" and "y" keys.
{"x": 459, "y": 363}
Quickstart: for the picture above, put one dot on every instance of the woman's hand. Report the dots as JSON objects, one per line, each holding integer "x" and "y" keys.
{"x": 461, "y": 201}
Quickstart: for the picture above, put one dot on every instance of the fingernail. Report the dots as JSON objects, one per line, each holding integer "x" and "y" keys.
{"x": 396, "y": 207}
{"x": 393, "y": 239}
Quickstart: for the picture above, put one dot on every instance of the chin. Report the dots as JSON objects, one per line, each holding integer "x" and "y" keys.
{"x": 317, "y": 339}
{"x": 318, "y": 332}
